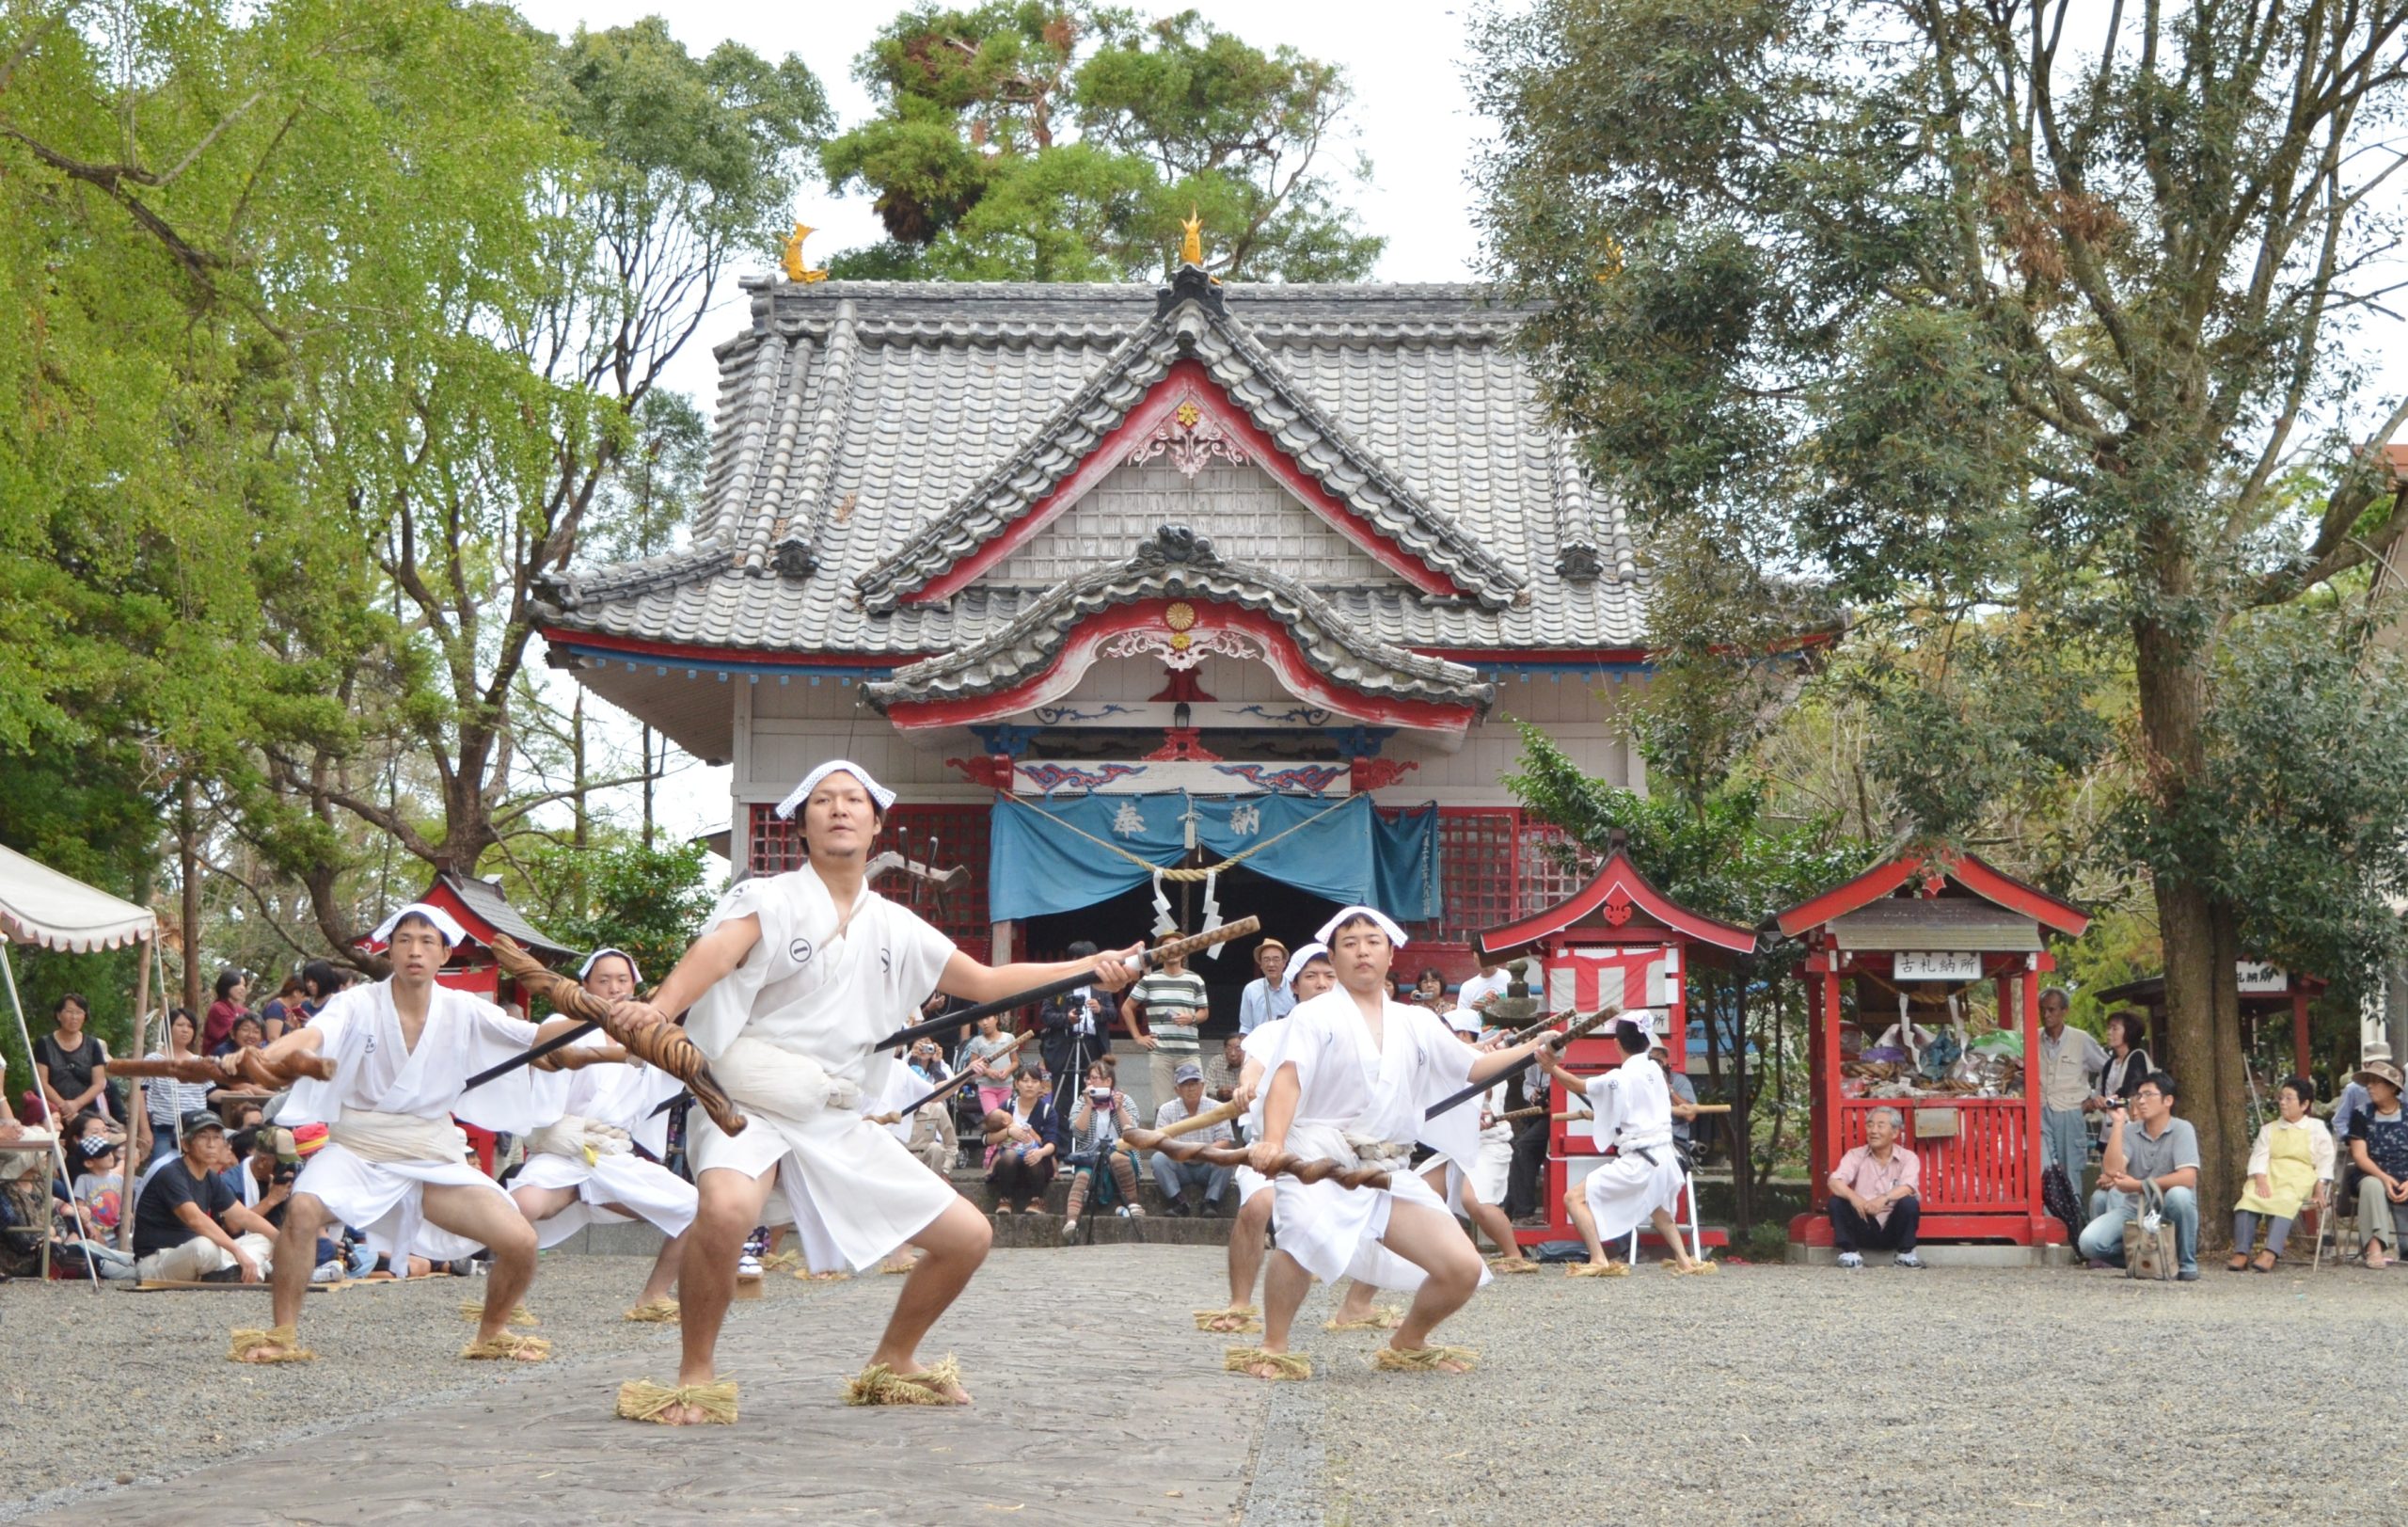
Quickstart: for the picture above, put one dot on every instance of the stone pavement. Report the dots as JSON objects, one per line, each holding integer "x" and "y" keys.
{"x": 1097, "y": 1401}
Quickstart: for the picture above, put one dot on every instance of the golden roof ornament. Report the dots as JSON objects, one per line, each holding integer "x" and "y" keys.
{"x": 796, "y": 270}
{"x": 1191, "y": 246}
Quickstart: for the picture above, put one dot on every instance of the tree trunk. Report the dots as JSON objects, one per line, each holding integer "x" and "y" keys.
{"x": 1743, "y": 1154}
{"x": 2202, "y": 996}
{"x": 187, "y": 831}
{"x": 646, "y": 772}
{"x": 584, "y": 833}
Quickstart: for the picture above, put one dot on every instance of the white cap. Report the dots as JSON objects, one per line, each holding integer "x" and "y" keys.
{"x": 1386, "y": 923}
{"x": 453, "y": 935}
{"x": 795, "y": 798}
{"x": 634, "y": 974}
{"x": 1298, "y": 961}
{"x": 1464, "y": 1020}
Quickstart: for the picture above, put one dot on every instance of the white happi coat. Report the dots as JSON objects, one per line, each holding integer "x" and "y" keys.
{"x": 388, "y": 1109}
{"x": 1260, "y": 1045}
{"x": 1634, "y": 1115}
{"x": 591, "y": 1118}
{"x": 807, "y": 1001}
{"x": 1353, "y": 1097}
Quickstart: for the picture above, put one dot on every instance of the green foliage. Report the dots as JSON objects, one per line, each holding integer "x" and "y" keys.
{"x": 650, "y": 903}
{"x": 1033, "y": 141}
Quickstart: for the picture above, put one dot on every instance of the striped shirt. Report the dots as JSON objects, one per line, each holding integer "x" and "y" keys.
{"x": 171, "y": 1100}
{"x": 1164, "y": 993}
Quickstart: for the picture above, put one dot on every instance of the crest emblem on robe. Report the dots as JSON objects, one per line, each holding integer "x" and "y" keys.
{"x": 799, "y": 951}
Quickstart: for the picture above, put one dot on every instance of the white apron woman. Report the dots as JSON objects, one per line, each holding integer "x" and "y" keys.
{"x": 788, "y": 990}
{"x": 1350, "y": 1079}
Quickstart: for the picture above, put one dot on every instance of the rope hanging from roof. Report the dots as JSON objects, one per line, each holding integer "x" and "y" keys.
{"x": 1197, "y": 872}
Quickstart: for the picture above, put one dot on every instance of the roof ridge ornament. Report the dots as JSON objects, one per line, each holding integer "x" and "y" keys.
{"x": 1176, "y": 545}
{"x": 791, "y": 257}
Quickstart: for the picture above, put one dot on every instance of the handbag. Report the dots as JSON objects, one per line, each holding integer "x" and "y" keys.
{"x": 2149, "y": 1250}
{"x": 2058, "y": 1198}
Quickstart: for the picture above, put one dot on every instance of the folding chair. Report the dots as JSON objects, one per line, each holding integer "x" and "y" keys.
{"x": 1688, "y": 1192}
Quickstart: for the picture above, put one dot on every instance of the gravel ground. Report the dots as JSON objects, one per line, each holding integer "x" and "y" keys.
{"x": 1803, "y": 1394}
{"x": 118, "y": 1386}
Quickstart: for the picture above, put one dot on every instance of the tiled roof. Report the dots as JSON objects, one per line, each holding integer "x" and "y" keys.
{"x": 1180, "y": 565}
{"x": 858, "y": 421}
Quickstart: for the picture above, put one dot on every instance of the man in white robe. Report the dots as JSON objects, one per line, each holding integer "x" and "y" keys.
{"x": 404, "y": 1049}
{"x": 1475, "y": 1193}
{"x": 788, "y": 990}
{"x": 1641, "y": 1183}
{"x": 581, "y": 1166}
{"x": 1350, "y": 1077}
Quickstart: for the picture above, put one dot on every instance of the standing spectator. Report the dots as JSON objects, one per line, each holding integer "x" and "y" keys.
{"x": 71, "y": 1064}
{"x": 1266, "y": 996}
{"x": 2378, "y": 1145}
{"x": 1684, "y": 1094}
{"x": 1103, "y": 1114}
{"x": 233, "y": 991}
{"x": 2069, "y": 1061}
{"x": 992, "y": 1060}
{"x": 280, "y": 1012}
{"x": 1531, "y": 1089}
{"x": 189, "y": 1225}
{"x": 1173, "y": 1001}
{"x": 2292, "y": 1159}
{"x": 168, "y": 1100}
{"x": 932, "y": 1135}
{"x": 2148, "y": 1144}
{"x": 2128, "y": 1064}
{"x": 1064, "y": 1021}
{"x": 1180, "y": 1181}
{"x": 1022, "y": 1145}
{"x": 1873, "y": 1200}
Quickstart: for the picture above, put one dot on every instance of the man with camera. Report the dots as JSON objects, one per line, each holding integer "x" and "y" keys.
{"x": 2147, "y": 1146}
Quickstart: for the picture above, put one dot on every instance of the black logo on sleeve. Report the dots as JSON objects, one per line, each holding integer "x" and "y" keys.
{"x": 799, "y": 951}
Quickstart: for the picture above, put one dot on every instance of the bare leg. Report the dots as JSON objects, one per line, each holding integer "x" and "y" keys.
{"x": 953, "y": 1245}
{"x": 493, "y": 1220}
{"x": 1245, "y": 1248}
{"x": 1577, "y": 1201}
{"x": 296, "y": 1251}
{"x": 1430, "y": 1239}
{"x": 1670, "y": 1229}
{"x": 540, "y": 1204}
{"x": 1357, "y": 1303}
{"x": 730, "y": 1207}
{"x": 1284, "y": 1285}
{"x": 1492, "y": 1222}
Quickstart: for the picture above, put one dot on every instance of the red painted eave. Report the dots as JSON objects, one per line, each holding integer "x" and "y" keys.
{"x": 1991, "y": 885}
{"x": 1617, "y": 874}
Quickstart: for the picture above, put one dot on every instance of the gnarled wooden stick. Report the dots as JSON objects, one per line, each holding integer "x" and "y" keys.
{"x": 1219, "y": 1115}
{"x": 664, "y": 1045}
{"x": 1226, "y": 1156}
{"x": 239, "y": 1066}
{"x": 1579, "y": 1026}
{"x": 947, "y": 1088}
{"x": 578, "y": 1057}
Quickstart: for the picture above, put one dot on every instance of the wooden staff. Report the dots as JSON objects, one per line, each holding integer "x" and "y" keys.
{"x": 1189, "y": 1125}
{"x": 1703, "y": 1108}
{"x": 1604, "y": 1015}
{"x": 964, "y": 1078}
{"x": 1226, "y": 1156}
{"x": 578, "y": 1057}
{"x": 239, "y": 1066}
{"x": 664, "y": 1045}
{"x": 1143, "y": 959}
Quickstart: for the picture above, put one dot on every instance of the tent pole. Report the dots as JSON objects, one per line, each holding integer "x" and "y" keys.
{"x": 140, "y": 1110}
{"x": 58, "y": 1136}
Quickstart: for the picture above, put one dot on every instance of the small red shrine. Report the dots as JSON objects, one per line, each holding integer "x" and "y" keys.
{"x": 1938, "y": 924}
{"x": 483, "y": 912}
{"x": 1617, "y": 941}
{"x": 2267, "y": 992}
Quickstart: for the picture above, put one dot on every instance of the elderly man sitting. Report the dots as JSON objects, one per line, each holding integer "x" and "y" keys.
{"x": 189, "y": 1224}
{"x": 1181, "y": 1179}
{"x": 1873, "y": 1195}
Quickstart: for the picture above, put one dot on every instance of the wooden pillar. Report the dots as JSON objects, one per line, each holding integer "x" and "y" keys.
{"x": 999, "y": 942}
{"x": 2299, "y": 1029}
{"x": 1824, "y": 1106}
{"x": 2029, "y": 982}
{"x": 139, "y": 1108}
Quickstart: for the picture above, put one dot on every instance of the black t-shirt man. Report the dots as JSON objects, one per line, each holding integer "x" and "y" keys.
{"x": 156, "y": 1226}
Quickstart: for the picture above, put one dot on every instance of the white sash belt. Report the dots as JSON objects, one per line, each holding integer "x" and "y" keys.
{"x": 779, "y": 1081}
{"x": 580, "y": 1139}
{"x": 395, "y": 1137}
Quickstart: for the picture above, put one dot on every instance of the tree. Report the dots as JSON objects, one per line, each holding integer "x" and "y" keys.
{"x": 649, "y": 902}
{"x": 1984, "y": 310}
{"x": 1024, "y": 140}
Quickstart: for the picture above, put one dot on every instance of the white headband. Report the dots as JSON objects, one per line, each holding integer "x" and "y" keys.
{"x": 1464, "y": 1020}
{"x": 599, "y": 955}
{"x": 453, "y": 935}
{"x": 879, "y": 793}
{"x": 1296, "y": 963}
{"x": 1379, "y": 919}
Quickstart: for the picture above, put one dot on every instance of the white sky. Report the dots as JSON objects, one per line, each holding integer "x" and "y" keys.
{"x": 1411, "y": 115}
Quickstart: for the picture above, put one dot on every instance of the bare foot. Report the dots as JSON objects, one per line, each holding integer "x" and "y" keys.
{"x": 952, "y": 1391}
{"x": 266, "y": 1352}
{"x": 1444, "y": 1365}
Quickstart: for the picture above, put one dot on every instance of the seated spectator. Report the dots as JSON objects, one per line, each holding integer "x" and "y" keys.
{"x": 167, "y": 1100}
{"x": 1873, "y": 1202}
{"x": 282, "y": 1012}
{"x": 1430, "y": 990}
{"x": 1222, "y": 1072}
{"x": 85, "y": 1235}
{"x": 992, "y": 1061}
{"x": 1097, "y": 1122}
{"x": 1021, "y": 1145}
{"x": 2292, "y": 1159}
{"x": 246, "y": 1034}
{"x": 189, "y": 1225}
{"x": 1182, "y": 1181}
{"x": 2146, "y": 1144}
{"x": 2378, "y": 1145}
{"x": 2348, "y": 1109}
{"x": 932, "y": 1135}
{"x": 233, "y": 1001}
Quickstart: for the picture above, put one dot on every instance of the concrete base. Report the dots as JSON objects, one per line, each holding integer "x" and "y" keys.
{"x": 1945, "y": 1254}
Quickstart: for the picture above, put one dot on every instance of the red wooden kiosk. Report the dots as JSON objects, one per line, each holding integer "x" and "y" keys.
{"x": 483, "y": 912}
{"x": 2267, "y": 992}
{"x": 1939, "y": 918}
{"x": 1616, "y": 941}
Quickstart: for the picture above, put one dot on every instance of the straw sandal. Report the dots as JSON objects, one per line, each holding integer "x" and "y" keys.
{"x": 509, "y": 1346}
{"x": 282, "y": 1341}
{"x": 1382, "y": 1317}
{"x": 1283, "y": 1365}
{"x": 1237, "y": 1320}
{"x": 1508, "y": 1266}
{"x": 1597, "y": 1269}
{"x": 879, "y": 1384}
{"x": 640, "y": 1399}
{"x": 663, "y": 1312}
{"x": 474, "y": 1311}
{"x": 1424, "y": 1360}
{"x": 805, "y": 1275}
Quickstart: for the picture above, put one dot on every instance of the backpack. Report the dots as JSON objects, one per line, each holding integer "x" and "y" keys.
{"x": 2057, "y": 1197}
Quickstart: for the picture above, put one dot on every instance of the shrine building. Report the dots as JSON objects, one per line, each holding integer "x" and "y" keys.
{"x": 1105, "y": 580}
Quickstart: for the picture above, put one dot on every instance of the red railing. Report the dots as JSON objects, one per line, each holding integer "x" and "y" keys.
{"x": 1985, "y": 1166}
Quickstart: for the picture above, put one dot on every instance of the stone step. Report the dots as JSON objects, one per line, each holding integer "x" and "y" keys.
{"x": 1045, "y": 1229}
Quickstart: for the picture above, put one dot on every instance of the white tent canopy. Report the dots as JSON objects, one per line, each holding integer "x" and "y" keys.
{"x": 38, "y": 905}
